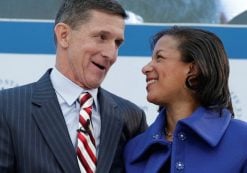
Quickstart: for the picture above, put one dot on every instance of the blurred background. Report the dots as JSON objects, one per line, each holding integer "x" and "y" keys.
{"x": 148, "y": 11}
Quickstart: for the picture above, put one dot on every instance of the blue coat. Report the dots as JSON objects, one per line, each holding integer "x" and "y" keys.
{"x": 205, "y": 142}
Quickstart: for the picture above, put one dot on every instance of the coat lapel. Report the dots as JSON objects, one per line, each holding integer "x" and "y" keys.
{"x": 111, "y": 129}
{"x": 49, "y": 118}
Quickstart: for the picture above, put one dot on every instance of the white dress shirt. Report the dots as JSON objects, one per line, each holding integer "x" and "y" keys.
{"x": 68, "y": 93}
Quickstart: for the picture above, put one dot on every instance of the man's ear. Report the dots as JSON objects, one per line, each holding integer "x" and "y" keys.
{"x": 62, "y": 32}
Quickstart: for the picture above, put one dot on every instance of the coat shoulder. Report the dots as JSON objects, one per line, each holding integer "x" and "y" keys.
{"x": 239, "y": 127}
{"x": 133, "y": 116}
{"x": 123, "y": 102}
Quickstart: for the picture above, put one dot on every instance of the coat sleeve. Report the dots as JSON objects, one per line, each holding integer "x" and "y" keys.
{"x": 245, "y": 167}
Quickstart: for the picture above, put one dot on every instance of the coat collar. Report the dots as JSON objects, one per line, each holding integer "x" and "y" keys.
{"x": 209, "y": 125}
{"x": 49, "y": 118}
{"x": 111, "y": 130}
{"x": 153, "y": 135}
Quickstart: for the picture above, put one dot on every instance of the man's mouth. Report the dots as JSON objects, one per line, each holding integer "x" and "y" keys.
{"x": 99, "y": 66}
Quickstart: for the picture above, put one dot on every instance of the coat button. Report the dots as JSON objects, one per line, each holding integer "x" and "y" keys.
{"x": 181, "y": 136}
{"x": 179, "y": 166}
{"x": 156, "y": 136}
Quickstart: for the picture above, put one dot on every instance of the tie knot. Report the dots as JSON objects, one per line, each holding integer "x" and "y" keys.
{"x": 86, "y": 100}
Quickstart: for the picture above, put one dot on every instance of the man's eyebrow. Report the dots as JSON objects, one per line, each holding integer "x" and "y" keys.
{"x": 119, "y": 40}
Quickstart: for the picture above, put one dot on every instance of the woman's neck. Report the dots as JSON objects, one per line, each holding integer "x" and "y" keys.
{"x": 176, "y": 112}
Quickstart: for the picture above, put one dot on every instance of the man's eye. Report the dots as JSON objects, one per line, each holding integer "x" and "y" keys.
{"x": 102, "y": 37}
{"x": 118, "y": 43}
{"x": 158, "y": 57}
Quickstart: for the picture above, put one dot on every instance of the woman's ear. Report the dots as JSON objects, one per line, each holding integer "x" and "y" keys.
{"x": 191, "y": 81}
{"x": 62, "y": 32}
{"x": 193, "y": 69}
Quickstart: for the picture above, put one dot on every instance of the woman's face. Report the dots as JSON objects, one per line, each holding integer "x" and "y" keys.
{"x": 166, "y": 73}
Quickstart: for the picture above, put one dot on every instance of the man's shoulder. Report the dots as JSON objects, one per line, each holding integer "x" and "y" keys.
{"x": 119, "y": 100}
{"x": 27, "y": 88}
{"x": 133, "y": 116}
{"x": 17, "y": 89}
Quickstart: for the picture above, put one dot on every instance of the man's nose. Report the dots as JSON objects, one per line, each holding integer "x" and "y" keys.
{"x": 110, "y": 51}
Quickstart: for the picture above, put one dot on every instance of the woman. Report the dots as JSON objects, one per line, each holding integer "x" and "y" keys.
{"x": 195, "y": 131}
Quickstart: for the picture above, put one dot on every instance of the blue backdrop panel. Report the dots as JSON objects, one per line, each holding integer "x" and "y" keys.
{"x": 37, "y": 38}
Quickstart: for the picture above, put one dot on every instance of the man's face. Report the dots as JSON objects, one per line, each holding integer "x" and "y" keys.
{"x": 91, "y": 49}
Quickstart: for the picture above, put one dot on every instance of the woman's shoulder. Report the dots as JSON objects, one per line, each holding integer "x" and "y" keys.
{"x": 237, "y": 131}
{"x": 238, "y": 123}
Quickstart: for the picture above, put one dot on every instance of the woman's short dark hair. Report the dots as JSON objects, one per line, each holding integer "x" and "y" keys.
{"x": 206, "y": 51}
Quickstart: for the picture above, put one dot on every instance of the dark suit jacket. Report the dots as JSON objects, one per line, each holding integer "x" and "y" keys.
{"x": 34, "y": 137}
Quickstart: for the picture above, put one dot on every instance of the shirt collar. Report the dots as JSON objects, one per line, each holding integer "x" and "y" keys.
{"x": 68, "y": 90}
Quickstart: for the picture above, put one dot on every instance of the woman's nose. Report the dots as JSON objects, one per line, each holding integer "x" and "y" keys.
{"x": 147, "y": 68}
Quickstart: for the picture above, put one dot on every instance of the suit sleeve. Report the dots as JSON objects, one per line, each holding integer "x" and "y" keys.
{"x": 137, "y": 124}
{"x": 143, "y": 122}
{"x": 6, "y": 145}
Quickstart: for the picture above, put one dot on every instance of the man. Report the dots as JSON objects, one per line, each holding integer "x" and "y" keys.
{"x": 39, "y": 122}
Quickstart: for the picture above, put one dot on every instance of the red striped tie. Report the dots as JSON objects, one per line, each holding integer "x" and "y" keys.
{"x": 86, "y": 150}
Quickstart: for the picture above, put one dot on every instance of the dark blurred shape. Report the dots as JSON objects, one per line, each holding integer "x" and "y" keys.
{"x": 158, "y": 11}
{"x": 239, "y": 19}
{"x": 175, "y": 11}
{"x": 29, "y": 9}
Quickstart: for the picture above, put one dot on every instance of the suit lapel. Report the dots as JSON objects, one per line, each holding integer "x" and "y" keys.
{"x": 48, "y": 116}
{"x": 111, "y": 129}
